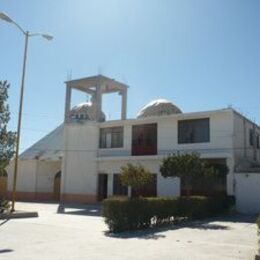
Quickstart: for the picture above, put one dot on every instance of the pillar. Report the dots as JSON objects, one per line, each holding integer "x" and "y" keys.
{"x": 110, "y": 185}
{"x": 67, "y": 104}
{"x": 99, "y": 102}
{"x": 230, "y": 177}
{"x": 124, "y": 104}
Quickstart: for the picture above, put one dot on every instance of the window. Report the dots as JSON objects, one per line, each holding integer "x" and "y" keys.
{"x": 102, "y": 186}
{"x": 258, "y": 141}
{"x": 193, "y": 131}
{"x": 111, "y": 137}
{"x": 144, "y": 140}
{"x": 118, "y": 188}
{"x": 251, "y": 137}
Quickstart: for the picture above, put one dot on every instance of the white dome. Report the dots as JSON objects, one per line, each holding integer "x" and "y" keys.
{"x": 85, "y": 111}
{"x": 159, "y": 107}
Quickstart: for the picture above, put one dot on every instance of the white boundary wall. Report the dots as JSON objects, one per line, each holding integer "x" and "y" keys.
{"x": 248, "y": 193}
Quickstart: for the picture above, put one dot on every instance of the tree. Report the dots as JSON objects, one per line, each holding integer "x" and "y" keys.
{"x": 7, "y": 138}
{"x": 190, "y": 169}
{"x": 134, "y": 176}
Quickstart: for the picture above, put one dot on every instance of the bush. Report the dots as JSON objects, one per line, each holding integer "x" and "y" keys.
{"x": 130, "y": 214}
{"x": 4, "y": 205}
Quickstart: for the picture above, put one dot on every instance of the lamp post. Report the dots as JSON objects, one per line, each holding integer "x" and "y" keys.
{"x": 26, "y": 34}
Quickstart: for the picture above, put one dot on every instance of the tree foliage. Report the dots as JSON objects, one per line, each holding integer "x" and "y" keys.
{"x": 134, "y": 176}
{"x": 7, "y": 138}
{"x": 191, "y": 170}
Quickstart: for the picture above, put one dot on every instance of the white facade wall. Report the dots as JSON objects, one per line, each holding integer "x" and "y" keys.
{"x": 248, "y": 193}
{"x": 220, "y": 145}
{"x": 79, "y": 169}
{"x": 34, "y": 176}
{"x": 243, "y": 151}
{"x": 221, "y": 134}
{"x": 221, "y": 129}
{"x": 83, "y": 160}
{"x": 45, "y": 174}
{"x": 168, "y": 187}
{"x": 26, "y": 176}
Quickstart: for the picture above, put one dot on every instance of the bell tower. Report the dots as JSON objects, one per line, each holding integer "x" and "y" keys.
{"x": 96, "y": 86}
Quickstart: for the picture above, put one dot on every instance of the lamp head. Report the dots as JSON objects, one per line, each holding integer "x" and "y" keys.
{"x": 47, "y": 37}
{"x": 5, "y": 17}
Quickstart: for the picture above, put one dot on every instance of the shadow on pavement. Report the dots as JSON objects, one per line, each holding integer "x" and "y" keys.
{"x": 3, "y": 222}
{"x": 2, "y": 251}
{"x": 140, "y": 234}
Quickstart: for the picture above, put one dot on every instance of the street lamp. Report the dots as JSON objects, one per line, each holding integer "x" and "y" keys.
{"x": 27, "y": 34}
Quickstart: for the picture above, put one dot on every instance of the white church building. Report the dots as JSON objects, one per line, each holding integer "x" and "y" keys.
{"x": 80, "y": 160}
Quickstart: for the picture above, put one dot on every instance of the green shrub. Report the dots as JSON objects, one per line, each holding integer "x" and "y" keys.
{"x": 193, "y": 207}
{"x": 229, "y": 202}
{"x": 124, "y": 214}
{"x": 4, "y": 205}
{"x": 130, "y": 214}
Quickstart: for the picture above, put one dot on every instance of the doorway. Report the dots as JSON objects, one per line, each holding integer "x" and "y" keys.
{"x": 56, "y": 186}
{"x": 102, "y": 186}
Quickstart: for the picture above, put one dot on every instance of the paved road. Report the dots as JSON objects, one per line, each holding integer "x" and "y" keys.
{"x": 81, "y": 234}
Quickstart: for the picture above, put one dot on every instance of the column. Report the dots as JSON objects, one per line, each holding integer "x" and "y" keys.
{"x": 67, "y": 104}
{"x": 110, "y": 185}
{"x": 230, "y": 177}
{"x": 124, "y": 104}
{"x": 99, "y": 103}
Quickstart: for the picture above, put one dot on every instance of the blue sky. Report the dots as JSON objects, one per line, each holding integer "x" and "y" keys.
{"x": 200, "y": 54}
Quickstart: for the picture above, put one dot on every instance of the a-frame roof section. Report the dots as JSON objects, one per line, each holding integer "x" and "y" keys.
{"x": 50, "y": 147}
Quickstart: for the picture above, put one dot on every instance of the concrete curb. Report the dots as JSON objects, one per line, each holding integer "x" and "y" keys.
{"x": 19, "y": 214}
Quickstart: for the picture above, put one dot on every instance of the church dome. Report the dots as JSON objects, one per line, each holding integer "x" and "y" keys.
{"x": 159, "y": 107}
{"x": 85, "y": 111}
